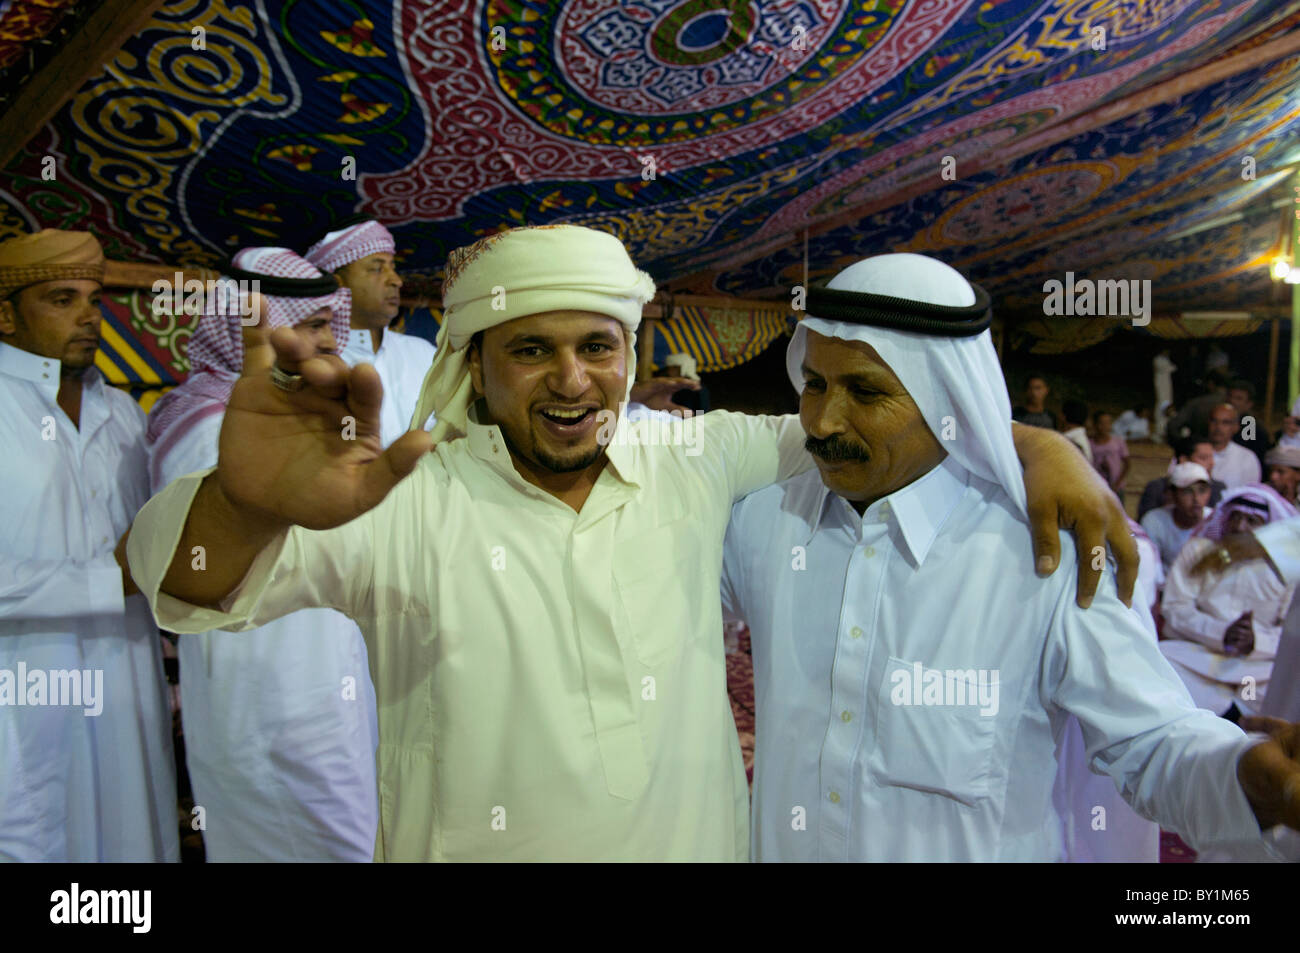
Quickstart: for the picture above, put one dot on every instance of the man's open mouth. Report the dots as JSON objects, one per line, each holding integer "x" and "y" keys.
{"x": 568, "y": 423}
{"x": 567, "y": 418}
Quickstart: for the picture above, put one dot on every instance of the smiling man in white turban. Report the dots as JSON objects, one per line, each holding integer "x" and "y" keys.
{"x": 912, "y": 672}
{"x": 540, "y": 608}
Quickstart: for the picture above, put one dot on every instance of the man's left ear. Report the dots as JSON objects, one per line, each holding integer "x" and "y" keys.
{"x": 8, "y": 317}
{"x": 475, "y": 358}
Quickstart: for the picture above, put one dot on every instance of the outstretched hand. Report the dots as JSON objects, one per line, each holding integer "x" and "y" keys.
{"x": 312, "y": 457}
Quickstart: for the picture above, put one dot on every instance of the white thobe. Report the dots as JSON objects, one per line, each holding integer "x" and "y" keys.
{"x": 280, "y": 723}
{"x": 77, "y": 787}
{"x": 847, "y": 612}
{"x": 1199, "y": 611}
{"x": 1117, "y": 834}
{"x": 1282, "y": 542}
{"x": 402, "y": 361}
{"x": 551, "y": 684}
{"x": 1235, "y": 466}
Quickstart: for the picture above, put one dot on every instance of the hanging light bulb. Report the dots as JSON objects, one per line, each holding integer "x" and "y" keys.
{"x": 1281, "y": 268}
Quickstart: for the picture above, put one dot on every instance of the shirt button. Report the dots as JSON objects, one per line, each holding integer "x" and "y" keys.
{"x": 835, "y": 797}
{"x": 869, "y": 552}
{"x": 855, "y": 632}
{"x": 846, "y": 716}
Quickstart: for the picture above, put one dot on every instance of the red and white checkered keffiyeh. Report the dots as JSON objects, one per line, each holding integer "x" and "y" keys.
{"x": 350, "y": 244}
{"x": 1257, "y": 498}
{"x": 216, "y": 349}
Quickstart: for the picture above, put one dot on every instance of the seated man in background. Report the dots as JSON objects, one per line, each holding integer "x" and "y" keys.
{"x": 1170, "y": 526}
{"x": 1284, "y": 471}
{"x": 1233, "y": 463}
{"x": 1222, "y": 628}
{"x": 1250, "y": 434}
{"x": 912, "y": 673}
{"x": 1194, "y": 449}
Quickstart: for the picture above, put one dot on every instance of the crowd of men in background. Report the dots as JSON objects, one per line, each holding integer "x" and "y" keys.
{"x": 1227, "y": 474}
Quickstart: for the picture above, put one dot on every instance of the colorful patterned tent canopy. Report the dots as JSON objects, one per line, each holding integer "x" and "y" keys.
{"x": 1017, "y": 140}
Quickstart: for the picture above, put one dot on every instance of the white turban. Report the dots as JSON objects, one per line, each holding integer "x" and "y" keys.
{"x": 516, "y": 273}
{"x": 956, "y": 381}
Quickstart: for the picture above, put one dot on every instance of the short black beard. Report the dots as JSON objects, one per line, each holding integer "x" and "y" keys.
{"x": 836, "y": 449}
{"x": 560, "y": 466}
{"x": 554, "y": 464}
{"x": 73, "y": 373}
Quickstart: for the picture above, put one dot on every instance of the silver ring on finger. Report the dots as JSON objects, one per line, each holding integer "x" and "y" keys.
{"x": 286, "y": 381}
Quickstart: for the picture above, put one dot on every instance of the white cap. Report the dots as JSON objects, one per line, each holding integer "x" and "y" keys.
{"x": 1185, "y": 474}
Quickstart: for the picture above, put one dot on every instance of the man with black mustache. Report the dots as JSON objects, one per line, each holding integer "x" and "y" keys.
{"x": 912, "y": 672}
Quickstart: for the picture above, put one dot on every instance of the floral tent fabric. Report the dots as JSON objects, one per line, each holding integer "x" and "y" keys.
{"x": 720, "y": 139}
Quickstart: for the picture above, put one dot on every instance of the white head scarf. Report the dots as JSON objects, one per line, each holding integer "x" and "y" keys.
{"x": 516, "y": 273}
{"x": 956, "y": 381}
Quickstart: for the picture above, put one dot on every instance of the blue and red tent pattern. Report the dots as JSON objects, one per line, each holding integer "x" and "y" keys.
{"x": 710, "y": 135}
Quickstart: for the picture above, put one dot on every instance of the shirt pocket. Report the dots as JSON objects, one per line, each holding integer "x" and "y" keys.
{"x": 648, "y": 584}
{"x": 944, "y": 748}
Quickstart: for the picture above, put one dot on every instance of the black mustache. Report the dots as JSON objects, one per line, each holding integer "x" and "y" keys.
{"x": 836, "y": 449}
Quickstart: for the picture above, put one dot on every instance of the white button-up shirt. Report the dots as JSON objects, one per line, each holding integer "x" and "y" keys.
{"x": 912, "y": 675}
{"x": 1234, "y": 466}
{"x": 551, "y": 684}
{"x": 402, "y": 361}
{"x": 280, "y": 723}
{"x": 76, "y": 787}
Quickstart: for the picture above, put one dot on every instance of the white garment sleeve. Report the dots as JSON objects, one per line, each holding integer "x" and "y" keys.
{"x": 1178, "y": 605}
{"x": 299, "y": 569}
{"x": 732, "y": 572}
{"x": 1281, "y": 540}
{"x": 752, "y": 451}
{"x": 1171, "y": 761}
{"x": 197, "y": 450}
{"x": 59, "y": 588}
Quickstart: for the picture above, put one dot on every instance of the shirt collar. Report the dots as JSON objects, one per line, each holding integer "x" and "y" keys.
{"x": 360, "y": 348}
{"x": 918, "y": 509}
{"x": 44, "y": 372}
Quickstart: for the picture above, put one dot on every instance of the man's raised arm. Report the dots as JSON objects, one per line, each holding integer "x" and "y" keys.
{"x": 309, "y": 456}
